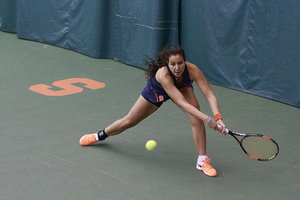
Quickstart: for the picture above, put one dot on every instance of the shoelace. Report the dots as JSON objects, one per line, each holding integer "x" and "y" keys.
{"x": 206, "y": 164}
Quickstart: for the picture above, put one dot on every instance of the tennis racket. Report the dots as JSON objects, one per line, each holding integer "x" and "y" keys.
{"x": 256, "y": 146}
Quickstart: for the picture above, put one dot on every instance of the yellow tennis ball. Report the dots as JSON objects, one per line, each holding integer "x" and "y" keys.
{"x": 150, "y": 145}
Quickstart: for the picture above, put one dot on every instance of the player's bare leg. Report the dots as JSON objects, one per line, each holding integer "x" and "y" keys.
{"x": 199, "y": 135}
{"x": 140, "y": 110}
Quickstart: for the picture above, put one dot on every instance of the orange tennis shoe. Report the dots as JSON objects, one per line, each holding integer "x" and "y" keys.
{"x": 207, "y": 168}
{"x": 88, "y": 139}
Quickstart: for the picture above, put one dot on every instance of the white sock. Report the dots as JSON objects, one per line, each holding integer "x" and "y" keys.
{"x": 97, "y": 138}
{"x": 201, "y": 159}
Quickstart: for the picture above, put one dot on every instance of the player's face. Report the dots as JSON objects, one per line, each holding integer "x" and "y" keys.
{"x": 177, "y": 65}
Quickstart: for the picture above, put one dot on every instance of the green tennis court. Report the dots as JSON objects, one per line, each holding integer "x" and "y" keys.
{"x": 42, "y": 159}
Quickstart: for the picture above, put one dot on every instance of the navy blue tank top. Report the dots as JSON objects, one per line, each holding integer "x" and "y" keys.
{"x": 155, "y": 93}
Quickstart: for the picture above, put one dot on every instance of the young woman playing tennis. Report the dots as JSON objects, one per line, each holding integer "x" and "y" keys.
{"x": 171, "y": 77}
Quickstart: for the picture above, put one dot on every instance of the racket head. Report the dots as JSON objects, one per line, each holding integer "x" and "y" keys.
{"x": 259, "y": 147}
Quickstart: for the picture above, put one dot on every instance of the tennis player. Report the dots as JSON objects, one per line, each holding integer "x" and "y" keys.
{"x": 171, "y": 77}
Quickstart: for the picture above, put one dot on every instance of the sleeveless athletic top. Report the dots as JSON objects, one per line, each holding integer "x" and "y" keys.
{"x": 155, "y": 93}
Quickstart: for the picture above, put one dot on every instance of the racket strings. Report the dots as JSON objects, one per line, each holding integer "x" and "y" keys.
{"x": 259, "y": 147}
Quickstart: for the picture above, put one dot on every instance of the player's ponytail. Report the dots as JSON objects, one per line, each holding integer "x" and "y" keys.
{"x": 152, "y": 68}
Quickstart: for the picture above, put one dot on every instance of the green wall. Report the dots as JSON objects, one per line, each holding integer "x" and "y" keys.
{"x": 248, "y": 45}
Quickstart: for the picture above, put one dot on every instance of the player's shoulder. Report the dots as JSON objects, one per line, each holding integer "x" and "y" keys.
{"x": 191, "y": 66}
{"x": 163, "y": 71}
{"x": 162, "y": 74}
{"x": 194, "y": 71}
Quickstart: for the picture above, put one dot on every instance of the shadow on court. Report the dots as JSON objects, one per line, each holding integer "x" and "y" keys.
{"x": 42, "y": 159}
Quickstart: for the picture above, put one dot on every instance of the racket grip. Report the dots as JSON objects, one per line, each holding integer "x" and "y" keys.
{"x": 226, "y": 130}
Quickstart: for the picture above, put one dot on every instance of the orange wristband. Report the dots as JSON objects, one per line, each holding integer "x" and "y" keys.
{"x": 218, "y": 116}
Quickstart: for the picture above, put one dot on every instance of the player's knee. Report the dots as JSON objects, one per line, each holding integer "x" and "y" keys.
{"x": 196, "y": 122}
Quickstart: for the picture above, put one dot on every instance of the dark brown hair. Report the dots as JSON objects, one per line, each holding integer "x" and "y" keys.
{"x": 162, "y": 60}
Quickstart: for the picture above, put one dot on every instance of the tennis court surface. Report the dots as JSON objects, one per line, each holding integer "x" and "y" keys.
{"x": 42, "y": 159}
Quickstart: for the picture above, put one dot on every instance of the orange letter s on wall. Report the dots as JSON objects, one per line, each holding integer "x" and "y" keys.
{"x": 67, "y": 87}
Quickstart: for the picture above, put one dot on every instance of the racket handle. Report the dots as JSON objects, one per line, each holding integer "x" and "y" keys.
{"x": 226, "y": 130}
